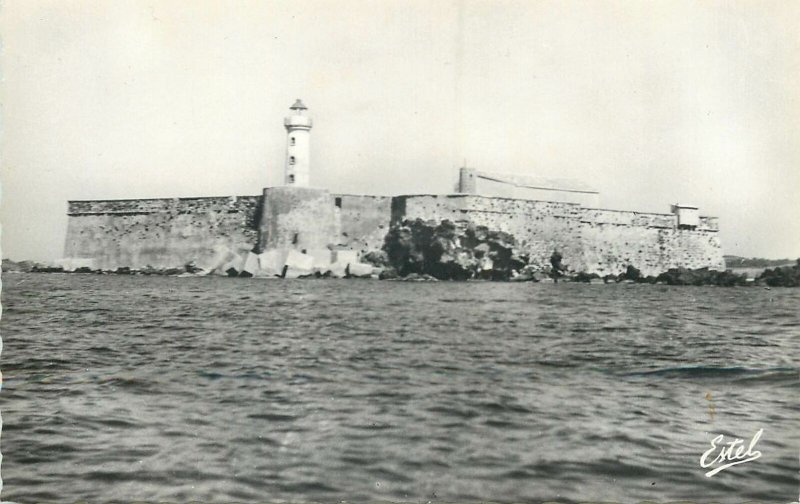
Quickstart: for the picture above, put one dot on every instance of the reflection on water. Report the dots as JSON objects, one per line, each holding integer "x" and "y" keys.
{"x": 214, "y": 389}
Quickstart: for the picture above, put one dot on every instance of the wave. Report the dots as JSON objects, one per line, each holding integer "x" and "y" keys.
{"x": 737, "y": 373}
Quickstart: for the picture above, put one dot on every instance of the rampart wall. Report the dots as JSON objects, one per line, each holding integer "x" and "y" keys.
{"x": 160, "y": 232}
{"x": 363, "y": 221}
{"x": 298, "y": 218}
{"x": 591, "y": 240}
{"x": 171, "y": 232}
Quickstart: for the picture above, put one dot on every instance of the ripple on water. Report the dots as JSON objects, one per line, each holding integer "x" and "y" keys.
{"x": 223, "y": 390}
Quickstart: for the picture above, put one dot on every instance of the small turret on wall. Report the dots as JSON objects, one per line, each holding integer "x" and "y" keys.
{"x": 688, "y": 216}
{"x": 466, "y": 181}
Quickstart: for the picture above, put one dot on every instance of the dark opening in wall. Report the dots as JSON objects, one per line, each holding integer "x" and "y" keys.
{"x": 338, "y": 202}
{"x": 295, "y": 238}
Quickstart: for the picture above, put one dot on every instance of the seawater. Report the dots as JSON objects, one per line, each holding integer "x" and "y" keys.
{"x": 216, "y": 389}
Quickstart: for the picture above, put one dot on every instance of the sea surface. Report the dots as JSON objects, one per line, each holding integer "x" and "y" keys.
{"x": 123, "y": 388}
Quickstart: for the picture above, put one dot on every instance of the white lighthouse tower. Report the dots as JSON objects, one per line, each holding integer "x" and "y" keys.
{"x": 298, "y": 129}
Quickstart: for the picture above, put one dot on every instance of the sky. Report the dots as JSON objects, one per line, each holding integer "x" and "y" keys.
{"x": 652, "y": 103}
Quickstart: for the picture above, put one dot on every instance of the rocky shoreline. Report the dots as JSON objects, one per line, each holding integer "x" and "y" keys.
{"x": 417, "y": 250}
{"x": 778, "y": 277}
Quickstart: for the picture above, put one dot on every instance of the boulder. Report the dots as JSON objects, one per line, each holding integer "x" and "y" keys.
{"x": 250, "y": 266}
{"x": 416, "y": 277}
{"x": 584, "y": 277}
{"x": 631, "y": 273}
{"x": 555, "y": 262}
{"x": 346, "y": 256}
{"x": 234, "y": 266}
{"x": 75, "y": 263}
{"x": 788, "y": 276}
{"x": 540, "y": 276}
{"x": 524, "y": 275}
{"x": 321, "y": 258}
{"x": 46, "y": 268}
{"x": 701, "y": 276}
{"x": 481, "y": 250}
{"x": 298, "y": 265}
{"x": 336, "y": 270}
{"x": 270, "y": 262}
{"x": 10, "y": 266}
{"x": 388, "y": 274}
{"x": 358, "y": 270}
{"x": 299, "y": 260}
{"x": 376, "y": 258}
{"x": 222, "y": 255}
{"x": 191, "y": 267}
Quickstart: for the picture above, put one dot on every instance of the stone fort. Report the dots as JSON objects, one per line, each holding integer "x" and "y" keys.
{"x": 299, "y": 220}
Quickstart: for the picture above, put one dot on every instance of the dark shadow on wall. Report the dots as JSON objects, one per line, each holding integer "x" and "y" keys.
{"x": 398, "y": 210}
{"x": 254, "y": 222}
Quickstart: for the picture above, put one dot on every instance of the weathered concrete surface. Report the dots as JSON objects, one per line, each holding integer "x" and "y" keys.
{"x": 298, "y": 264}
{"x": 162, "y": 233}
{"x": 363, "y": 221}
{"x": 270, "y": 262}
{"x": 338, "y": 269}
{"x": 221, "y": 256}
{"x": 359, "y": 270}
{"x": 346, "y": 256}
{"x": 321, "y": 258}
{"x": 299, "y": 218}
{"x": 250, "y": 264}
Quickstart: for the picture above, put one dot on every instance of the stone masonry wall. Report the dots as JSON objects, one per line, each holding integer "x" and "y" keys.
{"x": 363, "y": 221}
{"x": 165, "y": 233}
{"x": 161, "y": 233}
{"x": 591, "y": 240}
{"x": 300, "y": 218}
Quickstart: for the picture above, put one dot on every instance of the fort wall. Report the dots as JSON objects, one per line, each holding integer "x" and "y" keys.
{"x": 299, "y": 218}
{"x": 167, "y": 233}
{"x": 591, "y": 240}
{"x": 363, "y": 221}
{"x": 161, "y": 233}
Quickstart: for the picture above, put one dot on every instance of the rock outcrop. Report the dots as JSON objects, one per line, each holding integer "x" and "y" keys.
{"x": 10, "y": 266}
{"x": 781, "y": 277}
{"x": 451, "y": 251}
{"x": 701, "y": 276}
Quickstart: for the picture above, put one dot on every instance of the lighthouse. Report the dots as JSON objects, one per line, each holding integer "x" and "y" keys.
{"x": 298, "y": 132}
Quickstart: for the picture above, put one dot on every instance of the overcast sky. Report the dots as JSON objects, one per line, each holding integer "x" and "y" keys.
{"x": 652, "y": 103}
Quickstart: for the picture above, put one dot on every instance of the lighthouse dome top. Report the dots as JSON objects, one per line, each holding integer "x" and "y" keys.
{"x": 298, "y": 105}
